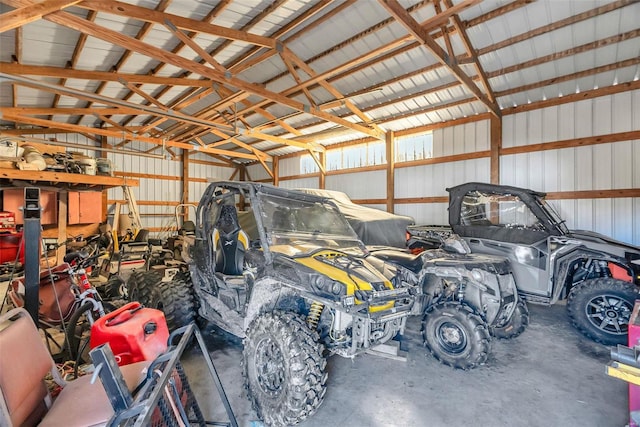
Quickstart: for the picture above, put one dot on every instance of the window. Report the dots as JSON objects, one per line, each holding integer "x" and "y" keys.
{"x": 355, "y": 156}
{"x": 480, "y": 208}
{"x": 307, "y": 164}
{"x": 414, "y": 147}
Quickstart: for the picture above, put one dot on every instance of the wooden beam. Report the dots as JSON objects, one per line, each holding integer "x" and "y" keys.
{"x": 594, "y": 194}
{"x": 23, "y": 15}
{"x": 495, "y": 134}
{"x": 276, "y": 171}
{"x": 390, "y": 143}
{"x": 574, "y": 97}
{"x": 148, "y": 15}
{"x": 419, "y": 200}
{"x": 555, "y": 25}
{"x": 17, "y": 46}
{"x": 185, "y": 182}
{"x": 69, "y": 178}
{"x": 78, "y": 24}
{"x": 127, "y": 135}
{"x": 572, "y": 143}
{"x": 404, "y": 18}
{"x": 184, "y": 38}
{"x": 573, "y": 76}
{"x": 41, "y": 70}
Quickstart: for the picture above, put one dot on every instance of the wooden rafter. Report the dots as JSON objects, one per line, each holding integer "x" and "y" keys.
{"x": 146, "y": 15}
{"x": 48, "y": 71}
{"x": 462, "y": 33}
{"x": 18, "y": 59}
{"x": 23, "y": 15}
{"x": 71, "y": 21}
{"x": 423, "y": 37}
{"x": 127, "y": 135}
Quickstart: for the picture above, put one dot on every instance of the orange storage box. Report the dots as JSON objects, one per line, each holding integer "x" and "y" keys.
{"x": 134, "y": 333}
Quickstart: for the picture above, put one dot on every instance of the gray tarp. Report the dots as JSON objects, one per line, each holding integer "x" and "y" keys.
{"x": 373, "y": 226}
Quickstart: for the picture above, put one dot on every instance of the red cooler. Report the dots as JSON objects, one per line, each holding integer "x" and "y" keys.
{"x": 134, "y": 333}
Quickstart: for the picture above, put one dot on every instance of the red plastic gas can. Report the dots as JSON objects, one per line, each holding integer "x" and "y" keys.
{"x": 134, "y": 333}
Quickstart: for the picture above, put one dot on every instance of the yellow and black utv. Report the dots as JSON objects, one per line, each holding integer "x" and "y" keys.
{"x": 285, "y": 271}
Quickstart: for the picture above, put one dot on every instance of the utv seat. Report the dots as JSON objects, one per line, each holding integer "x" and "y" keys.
{"x": 24, "y": 398}
{"x": 230, "y": 242}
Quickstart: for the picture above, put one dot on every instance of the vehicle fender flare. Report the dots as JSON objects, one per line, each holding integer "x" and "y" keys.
{"x": 562, "y": 266}
{"x": 270, "y": 294}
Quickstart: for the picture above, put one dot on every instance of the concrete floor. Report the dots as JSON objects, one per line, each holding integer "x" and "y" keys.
{"x": 548, "y": 376}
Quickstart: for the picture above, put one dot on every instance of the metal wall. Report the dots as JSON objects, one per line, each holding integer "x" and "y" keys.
{"x": 360, "y": 185}
{"x": 607, "y": 166}
{"x": 432, "y": 180}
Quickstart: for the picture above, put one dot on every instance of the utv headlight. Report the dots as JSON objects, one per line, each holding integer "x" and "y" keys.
{"x": 477, "y": 276}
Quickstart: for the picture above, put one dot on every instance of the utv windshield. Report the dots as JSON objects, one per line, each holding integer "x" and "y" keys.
{"x": 554, "y": 217}
{"x": 305, "y": 224}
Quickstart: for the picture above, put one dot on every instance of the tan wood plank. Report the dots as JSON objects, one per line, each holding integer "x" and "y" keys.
{"x": 24, "y": 15}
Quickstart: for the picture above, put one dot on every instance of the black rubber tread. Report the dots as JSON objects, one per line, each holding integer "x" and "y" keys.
{"x": 303, "y": 376}
{"x": 516, "y": 325}
{"x": 111, "y": 289}
{"x": 475, "y": 329}
{"x": 176, "y": 300}
{"x": 141, "y": 285}
{"x": 586, "y": 291}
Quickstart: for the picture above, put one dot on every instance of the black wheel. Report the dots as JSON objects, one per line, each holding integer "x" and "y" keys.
{"x": 516, "y": 325}
{"x": 141, "y": 285}
{"x": 114, "y": 289}
{"x": 601, "y": 309}
{"x": 176, "y": 300}
{"x": 455, "y": 335}
{"x": 284, "y": 369}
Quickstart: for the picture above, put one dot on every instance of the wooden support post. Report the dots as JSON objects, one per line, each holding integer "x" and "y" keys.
{"x": 391, "y": 168}
{"x": 105, "y": 193}
{"x": 322, "y": 177}
{"x": 496, "y": 146}
{"x": 276, "y": 171}
{"x": 185, "y": 182}
{"x": 63, "y": 207}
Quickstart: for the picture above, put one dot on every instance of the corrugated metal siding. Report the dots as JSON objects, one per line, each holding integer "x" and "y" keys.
{"x": 460, "y": 139}
{"x": 299, "y": 183}
{"x": 258, "y": 173}
{"x": 289, "y": 166}
{"x": 432, "y": 180}
{"x": 430, "y": 213}
{"x": 360, "y": 185}
{"x": 595, "y": 167}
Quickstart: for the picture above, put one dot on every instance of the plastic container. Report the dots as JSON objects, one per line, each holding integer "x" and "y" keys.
{"x": 9, "y": 245}
{"x": 134, "y": 333}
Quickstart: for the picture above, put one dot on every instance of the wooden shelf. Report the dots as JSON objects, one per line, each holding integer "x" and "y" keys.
{"x": 62, "y": 181}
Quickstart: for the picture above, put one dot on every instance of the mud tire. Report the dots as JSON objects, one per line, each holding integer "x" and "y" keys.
{"x": 601, "y": 309}
{"x": 176, "y": 300}
{"x": 284, "y": 368}
{"x": 141, "y": 286}
{"x": 455, "y": 335}
{"x": 516, "y": 325}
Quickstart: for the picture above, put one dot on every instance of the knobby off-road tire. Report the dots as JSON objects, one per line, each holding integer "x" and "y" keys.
{"x": 141, "y": 286}
{"x": 516, "y": 325}
{"x": 176, "y": 300}
{"x": 455, "y": 335}
{"x": 601, "y": 309}
{"x": 283, "y": 368}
